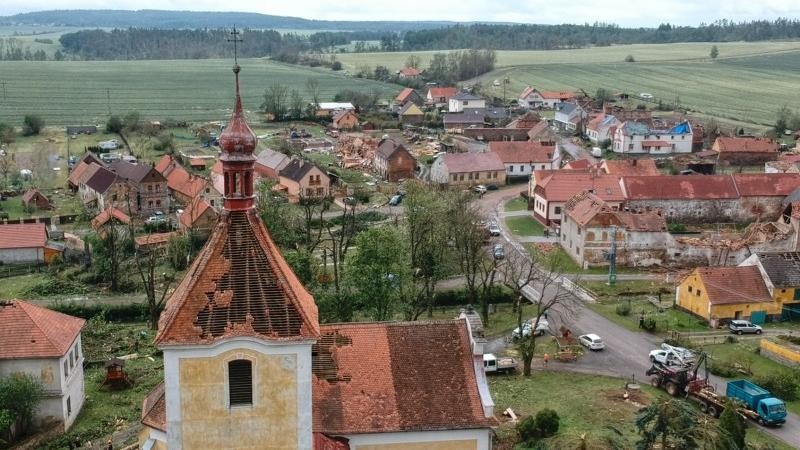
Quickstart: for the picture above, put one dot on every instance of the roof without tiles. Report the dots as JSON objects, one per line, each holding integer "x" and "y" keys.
{"x": 29, "y": 331}
{"x": 624, "y": 167}
{"x": 23, "y": 235}
{"x": 783, "y": 269}
{"x": 523, "y": 151}
{"x": 733, "y": 285}
{"x": 239, "y": 285}
{"x": 367, "y": 378}
{"x": 585, "y": 206}
{"x": 268, "y": 158}
{"x": 472, "y": 162}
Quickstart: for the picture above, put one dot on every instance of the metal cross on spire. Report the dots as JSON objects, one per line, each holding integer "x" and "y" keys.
{"x": 235, "y": 39}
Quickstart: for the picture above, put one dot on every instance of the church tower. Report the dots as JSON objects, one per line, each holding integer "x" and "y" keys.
{"x": 238, "y": 330}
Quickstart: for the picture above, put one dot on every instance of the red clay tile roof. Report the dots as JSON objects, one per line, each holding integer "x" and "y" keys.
{"x": 556, "y": 95}
{"x": 325, "y": 442}
{"x": 107, "y": 214}
{"x": 624, "y": 167}
{"x": 523, "y": 151}
{"x": 23, "y": 235}
{"x": 404, "y": 94}
{"x": 526, "y": 92}
{"x": 30, "y": 194}
{"x": 194, "y": 211}
{"x": 562, "y": 185}
{"x": 688, "y": 187}
{"x": 445, "y": 92}
{"x": 725, "y": 144}
{"x": 239, "y": 285}
{"x": 30, "y": 331}
{"x": 584, "y": 207}
{"x": 409, "y": 72}
{"x": 472, "y": 162}
{"x": 789, "y": 157}
{"x": 368, "y": 378}
{"x": 766, "y": 184}
{"x": 578, "y": 164}
{"x": 180, "y": 180}
{"x": 77, "y": 173}
{"x": 732, "y": 285}
{"x": 154, "y": 409}
{"x": 163, "y": 163}
{"x": 154, "y": 238}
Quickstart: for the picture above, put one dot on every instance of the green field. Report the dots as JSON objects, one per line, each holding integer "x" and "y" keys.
{"x": 84, "y": 92}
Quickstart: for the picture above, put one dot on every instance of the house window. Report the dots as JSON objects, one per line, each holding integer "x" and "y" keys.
{"x": 66, "y": 369}
{"x": 320, "y": 191}
{"x": 542, "y": 166}
{"x": 69, "y": 406}
{"x": 579, "y": 231}
{"x": 510, "y": 169}
{"x": 240, "y": 382}
{"x": 158, "y": 202}
{"x": 149, "y": 188}
{"x": 699, "y": 292}
{"x": 521, "y": 168}
{"x": 114, "y": 197}
{"x": 309, "y": 192}
{"x": 461, "y": 177}
{"x": 630, "y": 146}
{"x": 454, "y": 177}
{"x": 558, "y": 210}
{"x": 690, "y": 289}
{"x": 149, "y": 203}
{"x": 71, "y": 359}
{"x": 577, "y": 250}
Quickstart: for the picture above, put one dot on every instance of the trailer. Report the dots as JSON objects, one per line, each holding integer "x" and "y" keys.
{"x": 752, "y": 401}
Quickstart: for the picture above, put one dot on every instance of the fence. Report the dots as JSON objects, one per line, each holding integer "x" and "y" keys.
{"x": 13, "y": 270}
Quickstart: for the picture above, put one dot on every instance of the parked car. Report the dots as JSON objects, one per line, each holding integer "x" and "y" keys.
{"x": 479, "y": 189}
{"x": 743, "y": 326}
{"x": 395, "y": 200}
{"x": 491, "y": 187}
{"x": 672, "y": 356}
{"x": 157, "y": 217}
{"x": 527, "y": 327}
{"x": 350, "y": 200}
{"x": 494, "y": 229}
{"x": 499, "y": 252}
{"x": 592, "y": 341}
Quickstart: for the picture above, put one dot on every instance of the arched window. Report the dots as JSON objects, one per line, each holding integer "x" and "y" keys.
{"x": 240, "y": 382}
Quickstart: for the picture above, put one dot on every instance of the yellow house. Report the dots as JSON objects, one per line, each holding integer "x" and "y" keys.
{"x": 781, "y": 274}
{"x": 720, "y": 294}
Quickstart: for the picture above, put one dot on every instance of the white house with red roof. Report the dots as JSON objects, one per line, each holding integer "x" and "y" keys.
{"x": 532, "y": 98}
{"x": 440, "y": 96}
{"x": 468, "y": 169}
{"x": 409, "y": 73}
{"x": 46, "y": 345}
{"x": 521, "y": 158}
{"x": 25, "y": 243}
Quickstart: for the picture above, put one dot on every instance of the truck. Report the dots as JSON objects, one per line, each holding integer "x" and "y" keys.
{"x": 493, "y": 364}
{"x": 752, "y": 401}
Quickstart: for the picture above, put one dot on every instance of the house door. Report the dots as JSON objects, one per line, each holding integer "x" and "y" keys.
{"x": 737, "y": 315}
{"x": 758, "y": 317}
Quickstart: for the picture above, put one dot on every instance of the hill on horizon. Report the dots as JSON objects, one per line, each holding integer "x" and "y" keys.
{"x": 151, "y": 18}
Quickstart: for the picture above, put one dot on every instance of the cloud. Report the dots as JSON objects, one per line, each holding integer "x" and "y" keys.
{"x": 622, "y": 12}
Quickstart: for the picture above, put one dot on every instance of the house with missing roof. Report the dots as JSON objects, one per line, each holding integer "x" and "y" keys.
{"x": 781, "y": 274}
{"x": 601, "y": 128}
{"x": 47, "y": 346}
{"x": 522, "y": 157}
{"x": 654, "y": 137}
{"x": 721, "y": 294}
{"x": 468, "y": 169}
{"x": 465, "y": 100}
{"x": 247, "y": 363}
{"x": 300, "y": 178}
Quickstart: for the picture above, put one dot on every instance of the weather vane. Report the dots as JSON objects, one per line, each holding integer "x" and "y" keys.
{"x": 235, "y": 39}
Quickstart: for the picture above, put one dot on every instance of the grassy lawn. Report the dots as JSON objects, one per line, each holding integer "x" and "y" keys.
{"x": 517, "y": 204}
{"x": 585, "y": 404}
{"x": 525, "y": 226}
{"x": 744, "y": 354}
{"x": 104, "y": 410}
{"x": 17, "y": 287}
{"x": 568, "y": 265}
{"x": 501, "y": 322}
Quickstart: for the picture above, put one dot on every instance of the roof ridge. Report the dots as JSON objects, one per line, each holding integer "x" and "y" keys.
{"x": 391, "y": 322}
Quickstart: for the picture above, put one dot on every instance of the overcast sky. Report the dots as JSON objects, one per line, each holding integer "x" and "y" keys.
{"x": 622, "y": 12}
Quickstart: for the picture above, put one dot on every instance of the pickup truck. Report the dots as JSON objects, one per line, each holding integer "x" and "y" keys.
{"x": 763, "y": 406}
{"x": 493, "y": 364}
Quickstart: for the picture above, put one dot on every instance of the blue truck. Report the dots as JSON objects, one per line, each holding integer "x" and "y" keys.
{"x": 753, "y": 401}
{"x": 761, "y": 405}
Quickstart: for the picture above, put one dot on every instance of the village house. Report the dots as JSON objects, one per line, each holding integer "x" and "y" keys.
{"x": 722, "y": 294}
{"x": 77, "y": 173}
{"x": 570, "y": 117}
{"x": 268, "y": 164}
{"x": 745, "y": 151}
{"x": 549, "y": 191}
{"x": 301, "y": 178}
{"x": 247, "y": 363}
{"x": 344, "y": 120}
{"x": 590, "y": 227}
{"x": 495, "y": 134}
{"x": 34, "y": 199}
{"x": 542, "y": 132}
{"x": 147, "y": 184}
{"x": 627, "y": 167}
{"x": 522, "y": 157}
{"x": 153, "y": 241}
{"x": 469, "y": 118}
{"x": 468, "y": 169}
{"x": 183, "y": 185}
{"x": 440, "y": 96}
{"x": 393, "y": 162}
{"x": 465, "y": 100}
{"x": 781, "y": 274}
{"x": 531, "y": 98}
{"x": 658, "y": 138}
{"x": 26, "y": 243}
{"x": 110, "y": 214}
{"x": 198, "y": 217}
{"x": 81, "y": 129}
{"x": 47, "y": 346}
{"x": 411, "y": 113}
{"x": 328, "y": 109}
{"x": 407, "y": 95}
{"x": 409, "y": 73}
{"x": 601, "y": 128}
{"x": 100, "y": 188}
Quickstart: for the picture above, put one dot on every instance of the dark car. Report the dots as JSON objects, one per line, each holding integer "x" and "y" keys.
{"x": 491, "y": 187}
{"x": 395, "y": 200}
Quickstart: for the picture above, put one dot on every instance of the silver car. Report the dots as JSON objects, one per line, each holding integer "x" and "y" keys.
{"x": 743, "y": 326}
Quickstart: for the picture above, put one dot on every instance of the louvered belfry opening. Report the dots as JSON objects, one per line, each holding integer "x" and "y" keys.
{"x": 240, "y": 382}
{"x": 249, "y": 293}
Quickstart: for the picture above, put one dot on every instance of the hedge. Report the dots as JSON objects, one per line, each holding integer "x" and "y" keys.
{"x": 130, "y": 312}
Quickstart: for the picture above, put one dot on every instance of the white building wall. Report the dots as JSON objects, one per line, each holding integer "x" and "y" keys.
{"x": 439, "y": 172}
{"x": 21, "y": 255}
{"x": 456, "y": 106}
{"x": 681, "y": 143}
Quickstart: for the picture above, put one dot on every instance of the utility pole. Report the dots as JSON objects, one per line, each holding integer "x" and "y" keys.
{"x": 108, "y": 100}
{"x": 612, "y": 258}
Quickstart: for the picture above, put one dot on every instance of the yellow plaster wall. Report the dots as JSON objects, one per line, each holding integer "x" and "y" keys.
{"x": 783, "y": 297}
{"x": 206, "y": 420}
{"x": 729, "y": 311}
{"x": 786, "y": 353}
{"x": 690, "y": 301}
{"x": 441, "y": 445}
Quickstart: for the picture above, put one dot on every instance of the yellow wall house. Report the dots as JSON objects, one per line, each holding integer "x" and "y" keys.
{"x": 781, "y": 273}
{"x": 247, "y": 365}
{"x": 721, "y": 294}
